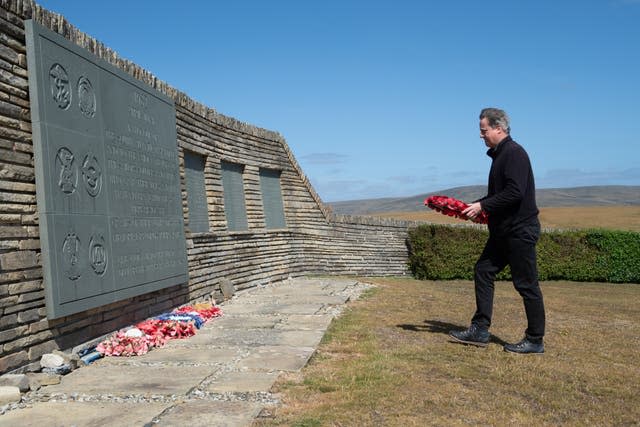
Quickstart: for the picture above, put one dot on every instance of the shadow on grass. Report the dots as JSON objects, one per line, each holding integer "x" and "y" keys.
{"x": 438, "y": 327}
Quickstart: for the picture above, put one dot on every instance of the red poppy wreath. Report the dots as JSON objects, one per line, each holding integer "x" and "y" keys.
{"x": 453, "y": 207}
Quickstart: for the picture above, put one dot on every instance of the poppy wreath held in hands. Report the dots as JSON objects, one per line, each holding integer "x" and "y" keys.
{"x": 453, "y": 207}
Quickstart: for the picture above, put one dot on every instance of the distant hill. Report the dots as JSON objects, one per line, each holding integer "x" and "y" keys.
{"x": 606, "y": 195}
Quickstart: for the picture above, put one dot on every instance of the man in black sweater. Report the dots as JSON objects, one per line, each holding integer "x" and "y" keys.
{"x": 514, "y": 230}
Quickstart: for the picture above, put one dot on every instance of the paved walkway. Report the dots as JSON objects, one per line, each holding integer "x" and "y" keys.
{"x": 219, "y": 377}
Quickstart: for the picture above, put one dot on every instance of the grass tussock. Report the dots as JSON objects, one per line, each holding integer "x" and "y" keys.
{"x": 388, "y": 361}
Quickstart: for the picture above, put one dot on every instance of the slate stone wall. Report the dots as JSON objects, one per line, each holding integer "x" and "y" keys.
{"x": 314, "y": 241}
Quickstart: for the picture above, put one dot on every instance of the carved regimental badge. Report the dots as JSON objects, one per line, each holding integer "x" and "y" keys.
{"x": 67, "y": 170}
{"x": 71, "y": 256}
{"x": 97, "y": 254}
{"x": 60, "y": 89}
{"x": 92, "y": 175}
{"x": 86, "y": 97}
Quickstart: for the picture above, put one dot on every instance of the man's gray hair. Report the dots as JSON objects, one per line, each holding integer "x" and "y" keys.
{"x": 496, "y": 118}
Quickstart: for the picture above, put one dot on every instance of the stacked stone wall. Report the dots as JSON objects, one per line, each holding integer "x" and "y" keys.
{"x": 313, "y": 242}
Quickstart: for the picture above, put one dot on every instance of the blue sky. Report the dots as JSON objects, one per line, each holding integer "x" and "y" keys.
{"x": 381, "y": 98}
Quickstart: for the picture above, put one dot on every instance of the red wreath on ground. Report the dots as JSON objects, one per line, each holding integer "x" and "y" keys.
{"x": 453, "y": 207}
{"x": 156, "y": 332}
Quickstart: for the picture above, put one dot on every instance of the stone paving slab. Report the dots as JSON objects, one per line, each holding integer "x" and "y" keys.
{"x": 187, "y": 355}
{"x": 267, "y": 308}
{"x": 298, "y": 338}
{"x": 205, "y": 413}
{"x": 85, "y": 414}
{"x": 306, "y": 322}
{"x": 313, "y": 285}
{"x": 233, "y": 337}
{"x": 209, "y": 338}
{"x": 105, "y": 379}
{"x": 254, "y": 338}
{"x": 296, "y": 299}
{"x": 242, "y": 381}
{"x": 277, "y": 358}
{"x": 244, "y": 322}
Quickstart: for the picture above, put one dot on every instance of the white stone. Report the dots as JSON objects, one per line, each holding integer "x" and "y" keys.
{"x": 51, "y": 360}
{"x": 134, "y": 333}
{"x": 9, "y": 394}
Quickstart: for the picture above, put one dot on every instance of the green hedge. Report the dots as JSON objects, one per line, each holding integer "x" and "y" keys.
{"x": 450, "y": 252}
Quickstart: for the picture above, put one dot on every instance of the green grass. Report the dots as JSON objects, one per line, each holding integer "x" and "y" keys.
{"x": 388, "y": 361}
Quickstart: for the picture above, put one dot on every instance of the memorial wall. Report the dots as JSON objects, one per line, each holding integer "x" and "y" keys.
{"x": 121, "y": 197}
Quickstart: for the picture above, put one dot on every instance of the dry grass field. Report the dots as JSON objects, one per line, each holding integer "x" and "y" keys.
{"x": 388, "y": 361}
{"x": 609, "y": 217}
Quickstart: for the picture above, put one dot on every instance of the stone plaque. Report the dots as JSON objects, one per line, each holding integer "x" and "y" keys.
{"x": 107, "y": 178}
{"x": 196, "y": 192}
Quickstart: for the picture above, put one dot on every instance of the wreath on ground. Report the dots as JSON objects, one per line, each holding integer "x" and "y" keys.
{"x": 155, "y": 332}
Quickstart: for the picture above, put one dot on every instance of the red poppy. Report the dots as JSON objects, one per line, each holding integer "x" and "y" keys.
{"x": 205, "y": 311}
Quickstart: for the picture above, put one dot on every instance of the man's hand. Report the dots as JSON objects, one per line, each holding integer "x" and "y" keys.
{"x": 473, "y": 210}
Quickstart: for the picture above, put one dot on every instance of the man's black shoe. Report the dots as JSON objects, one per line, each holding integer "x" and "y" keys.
{"x": 472, "y": 336}
{"x": 526, "y": 346}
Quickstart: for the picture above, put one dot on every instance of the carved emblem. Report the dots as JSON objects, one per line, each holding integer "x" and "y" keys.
{"x": 67, "y": 171}
{"x": 92, "y": 175}
{"x": 97, "y": 254}
{"x": 60, "y": 89}
{"x": 86, "y": 97}
{"x": 71, "y": 256}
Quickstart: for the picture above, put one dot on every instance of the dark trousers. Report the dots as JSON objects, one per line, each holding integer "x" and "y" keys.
{"x": 518, "y": 250}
